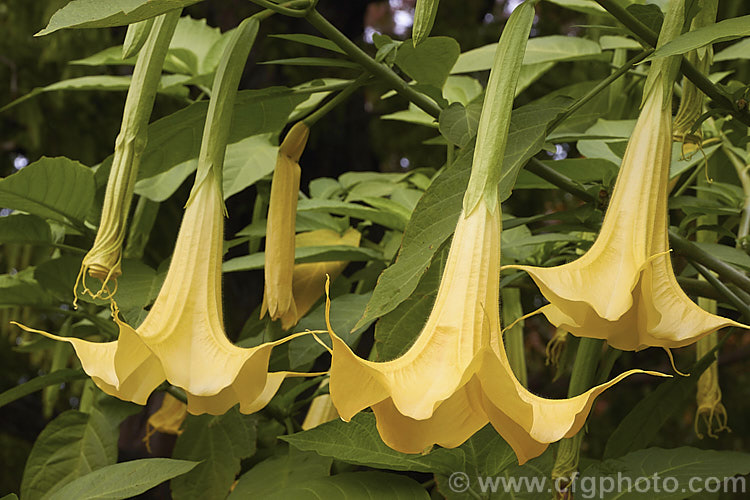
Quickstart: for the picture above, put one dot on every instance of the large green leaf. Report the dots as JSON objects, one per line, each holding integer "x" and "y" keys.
{"x": 543, "y": 49}
{"x": 123, "y": 480}
{"x": 21, "y": 289}
{"x": 20, "y": 228}
{"x": 725, "y": 30}
{"x": 304, "y": 255}
{"x": 458, "y": 123}
{"x": 72, "y": 445}
{"x": 354, "y": 210}
{"x": 353, "y": 485}
{"x": 279, "y": 473}
{"x": 395, "y": 332}
{"x": 219, "y": 443}
{"x": 98, "y": 14}
{"x": 136, "y": 288}
{"x": 169, "y": 85}
{"x": 52, "y": 188}
{"x": 176, "y": 138}
{"x": 430, "y": 62}
{"x": 739, "y": 50}
{"x": 358, "y": 442}
{"x": 659, "y": 474}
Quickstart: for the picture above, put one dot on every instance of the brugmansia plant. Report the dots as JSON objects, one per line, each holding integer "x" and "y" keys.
{"x": 313, "y": 262}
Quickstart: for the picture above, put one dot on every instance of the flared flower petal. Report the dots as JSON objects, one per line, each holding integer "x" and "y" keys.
{"x": 456, "y": 377}
{"x": 624, "y": 289}
{"x": 182, "y": 339}
{"x": 282, "y": 211}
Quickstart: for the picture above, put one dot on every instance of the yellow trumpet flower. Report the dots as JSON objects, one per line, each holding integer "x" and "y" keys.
{"x": 182, "y": 339}
{"x": 282, "y": 212}
{"x": 623, "y": 289}
{"x": 456, "y": 377}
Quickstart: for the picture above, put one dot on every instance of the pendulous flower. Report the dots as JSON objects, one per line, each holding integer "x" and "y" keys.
{"x": 182, "y": 339}
{"x": 623, "y": 289}
{"x": 456, "y": 376}
{"x": 278, "y": 298}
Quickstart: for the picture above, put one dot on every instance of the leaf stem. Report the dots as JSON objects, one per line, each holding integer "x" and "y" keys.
{"x": 377, "y": 69}
{"x": 336, "y": 100}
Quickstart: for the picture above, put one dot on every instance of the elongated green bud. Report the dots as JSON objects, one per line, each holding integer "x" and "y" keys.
{"x": 135, "y": 37}
{"x": 492, "y": 134}
{"x": 223, "y": 94}
{"x": 103, "y": 260}
{"x": 664, "y": 70}
{"x": 424, "y": 17}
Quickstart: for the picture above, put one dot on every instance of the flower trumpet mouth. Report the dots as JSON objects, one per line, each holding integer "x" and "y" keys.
{"x": 623, "y": 289}
{"x": 182, "y": 339}
{"x": 456, "y": 377}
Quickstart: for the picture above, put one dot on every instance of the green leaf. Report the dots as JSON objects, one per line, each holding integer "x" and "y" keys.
{"x": 351, "y": 485}
{"x": 543, "y": 49}
{"x": 458, "y": 124}
{"x": 609, "y": 42}
{"x": 728, "y": 29}
{"x": 136, "y": 288}
{"x": 739, "y": 50}
{"x": 642, "y": 424}
{"x": 175, "y": 139}
{"x": 424, "y": 17}
{"x": 39, "y": 383}
{"x": 582, "y": 170}
{"x": 23, "y": 290}
{"x": 220, "y": 442}
{"x": 97, "y": 14}
{"x": 430, "y": 62}
{"x": 395, "y": 332}
{"x": 168, "y": 85}
{"x": 123, "y": 480}
{"x": 354, "y": 210}
{"x": 19, "y": 228}
{"x": 52, "y": 188}
{"x": 358, "y": 442}
{"x": 674, "y": 474}
{"x": 305, "y": 254}
{"x": 277, "y": 474}
{"x": 311, "y": 40}
{"x": 72, "y": 445}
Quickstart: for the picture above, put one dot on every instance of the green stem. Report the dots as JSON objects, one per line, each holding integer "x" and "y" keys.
{"x": 741, "y": 306}
{"x": 336, "y": 100}
{"x": 377, "y": 69}
{"x": 599, "y": 87}
{"x": 690, "y": 71}
{"x": 556, "y": 178}
{"x": 284, "y": 8}
{"x": 512, "y": 310}
{"x": 581, "y": 380}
